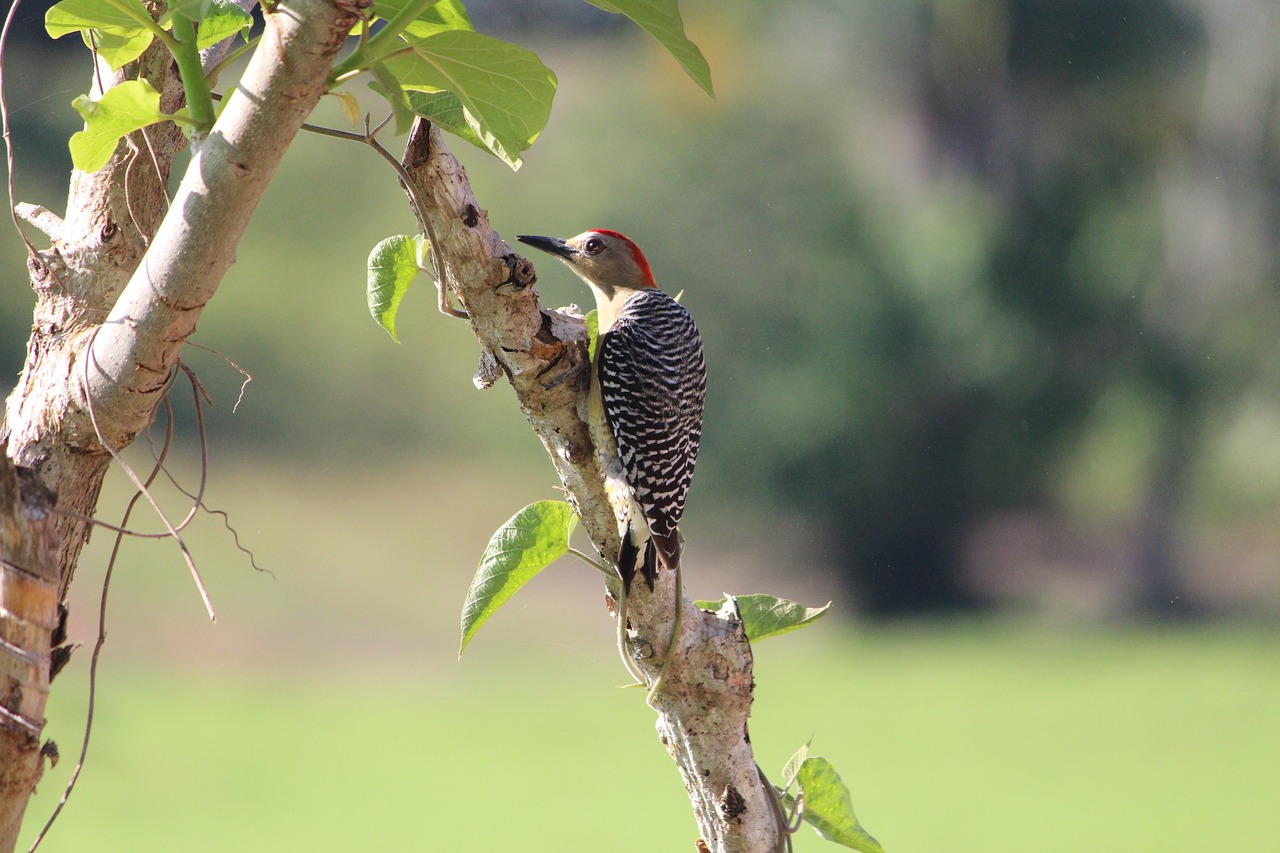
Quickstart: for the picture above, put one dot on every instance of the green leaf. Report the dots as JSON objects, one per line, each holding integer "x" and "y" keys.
{"x": 530, "y": 541}
{"x": 441, "y": 16}
{"x": 121, "y": 17}
{"x": 593, "y": 332}
{"x": 446, "y": 111}
{"x": 765, "y": 616}
{"x": 118, "y": 48}
{"x": 222, "y": 20}
{"x": 386, "y": 85}
{"x": 195, "y": 10}
{"x": 393, "y": 265}
{"x": 117, "y": 30}
{"x": 791, "y": 769}
{"x": 661, "y": 19}
{"x": 122, "y": 109}
{"x": 828, "y": 807}
{"x": 505, "y": 90}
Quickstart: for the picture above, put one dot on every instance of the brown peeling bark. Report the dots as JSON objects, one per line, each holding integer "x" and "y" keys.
{"x": 707, "y": 690}
{"x": 28, "y": 622}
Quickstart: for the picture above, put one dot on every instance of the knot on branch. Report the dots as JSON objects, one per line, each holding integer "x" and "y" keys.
{"x": 520, "y": 272}
{"x": 488, "y": 371}
{"x": 38, "y": 500}
{"x": 732, "y": 804}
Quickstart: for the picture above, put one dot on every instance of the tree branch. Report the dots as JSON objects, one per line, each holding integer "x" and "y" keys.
{"x": 137, "y": 347}
{"x": 706, "y": 696}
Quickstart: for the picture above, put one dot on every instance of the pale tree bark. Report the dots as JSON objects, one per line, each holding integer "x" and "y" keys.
{"x": 118, "y": 294}
{"x": 706, "y": 695}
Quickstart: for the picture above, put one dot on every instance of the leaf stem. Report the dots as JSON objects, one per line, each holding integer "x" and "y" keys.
{"x": 595, "y": 564}
{"x": 140, "y": 16}
{"x": 369, "y": 52}
{"x": 194, "y": 81}
{"x": 230, "y": 58}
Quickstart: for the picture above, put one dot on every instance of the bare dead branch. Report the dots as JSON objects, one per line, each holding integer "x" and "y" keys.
{"x": 705, "y": 696}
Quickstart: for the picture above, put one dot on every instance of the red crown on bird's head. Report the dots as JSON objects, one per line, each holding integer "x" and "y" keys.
{"x": 641, "y": 261}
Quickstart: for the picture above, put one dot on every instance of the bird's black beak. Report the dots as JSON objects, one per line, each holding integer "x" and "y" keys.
{"x": 550, "y": 245}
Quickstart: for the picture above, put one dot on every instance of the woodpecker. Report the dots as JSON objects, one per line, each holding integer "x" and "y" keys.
{"x": 648, "y": 384}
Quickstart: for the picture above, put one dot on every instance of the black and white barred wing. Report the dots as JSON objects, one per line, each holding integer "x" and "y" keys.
{"x": 652, "y": 383}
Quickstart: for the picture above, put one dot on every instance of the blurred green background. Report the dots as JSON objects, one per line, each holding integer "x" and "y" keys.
{"x": 991, "y": 297}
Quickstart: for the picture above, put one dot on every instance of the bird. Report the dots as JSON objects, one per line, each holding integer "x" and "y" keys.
{"x": 648, "y": 387}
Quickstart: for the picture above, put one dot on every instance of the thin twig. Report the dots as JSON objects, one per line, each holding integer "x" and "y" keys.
{"x": 197, "y": 499}
{"x": 102, "y": 632}
{"x": 231, "y": 56}
{"x": 199, "y": 390}
{"x": 134, "y": 154}
{"x": 115, "y": 454}
{"x": 248, "y": 377}
{"x": 8, "y": 142}
{"x": 106, "y": 525}
{"x": 369, "y": 137}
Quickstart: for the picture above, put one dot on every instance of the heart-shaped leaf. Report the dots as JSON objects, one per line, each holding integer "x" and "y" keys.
{"x": 531, "y": 540}
{"x": 505, "y": 91}
{"x": 122, "y": 109}
{"x": 393, "y": 265}
{"x": 765, "y": 616}
{"x": 828, "y": 806}
{"x": 661, "y": 19}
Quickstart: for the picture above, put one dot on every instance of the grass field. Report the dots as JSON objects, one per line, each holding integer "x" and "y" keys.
{"x": 327, "y": 710}
{"x": 958, "y": 738}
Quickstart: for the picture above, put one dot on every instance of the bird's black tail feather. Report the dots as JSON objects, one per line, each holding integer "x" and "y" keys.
{"x": 661, "y": 551}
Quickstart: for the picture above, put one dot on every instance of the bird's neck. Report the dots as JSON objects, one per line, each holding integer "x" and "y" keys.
{"x": 609, "y": 302}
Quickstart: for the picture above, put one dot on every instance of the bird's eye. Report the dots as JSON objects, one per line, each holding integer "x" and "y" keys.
{"x": 594, "y": 246}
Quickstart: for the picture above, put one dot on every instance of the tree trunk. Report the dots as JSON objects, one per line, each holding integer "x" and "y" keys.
{"x": 28, "y": 623}
{"x": 118, "y": 293}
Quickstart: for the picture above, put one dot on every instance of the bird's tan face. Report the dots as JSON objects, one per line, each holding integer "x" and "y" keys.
{"x": 606, "y": 260}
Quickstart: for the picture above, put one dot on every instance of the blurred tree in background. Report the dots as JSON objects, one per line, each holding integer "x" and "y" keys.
{"x": 989, "y": 287}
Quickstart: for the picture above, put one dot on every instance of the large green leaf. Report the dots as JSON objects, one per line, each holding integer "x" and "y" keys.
{"x": 661, "y": 19}
{"x": 766, "y": 616}
{"x": 504, "y": 90}
{"x": 440, "y": 16}
{"x": 828, "y": 807}
{"x": 531, "y": 540}
{"x": 196, "y": 10}
{"x": 386, "y": 85}
{"x": 117, "y": 30}
{"x": 445, "y": 110}
{"x": 122, "y": 109}
{"x": 118, "y": 48}
{"x": 119, "y": 16}
{"x": 222, "y": 19}
{"x": 393, "y": 265}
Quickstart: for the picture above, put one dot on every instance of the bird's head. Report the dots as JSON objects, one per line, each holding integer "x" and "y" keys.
{"x": 606, "y": 260}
